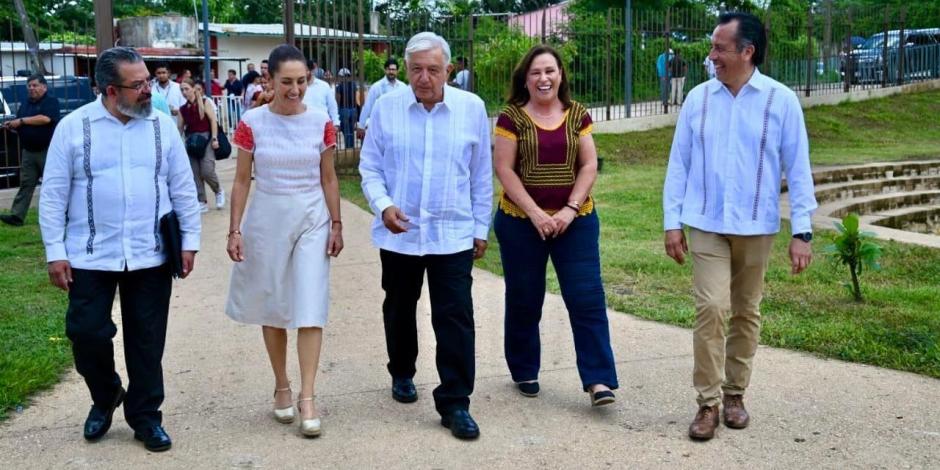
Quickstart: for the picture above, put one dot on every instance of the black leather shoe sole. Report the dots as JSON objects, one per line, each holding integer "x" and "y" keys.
{"x": 602, "y": 398}
{"x": 92, "y": 437}
{"x": 160, "y": 447}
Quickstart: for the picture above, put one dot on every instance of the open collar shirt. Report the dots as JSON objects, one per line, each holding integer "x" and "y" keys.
{"x": 321, "y": 96}
{"x": 377, "y": 89}
{"x": 435, "y": 166}
{"x": 172, "y": 93}
{"x": 107, "y": 184}
{"x": 729, "y": 155}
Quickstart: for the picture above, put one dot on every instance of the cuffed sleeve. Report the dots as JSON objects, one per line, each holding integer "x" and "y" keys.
{"x": 481, "y": 178}
{"x": 677, "y": 171}
{"x": 54, "y": 195}
{"x": 182, "y": 189}
{"x": 796, "y": 166}
{"x": 370, "y": 168}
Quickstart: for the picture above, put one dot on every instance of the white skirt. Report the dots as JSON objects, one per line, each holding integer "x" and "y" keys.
{"x": 284, "y": 280}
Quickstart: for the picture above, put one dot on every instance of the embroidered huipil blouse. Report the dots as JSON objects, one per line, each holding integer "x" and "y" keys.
{"x": 728, "y": 156}
{"x": 547, "y": 159}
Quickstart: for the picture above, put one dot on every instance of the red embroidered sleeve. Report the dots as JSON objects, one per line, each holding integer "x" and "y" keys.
{"x": 329, "y": 135}
{"x": 244, "y": 138}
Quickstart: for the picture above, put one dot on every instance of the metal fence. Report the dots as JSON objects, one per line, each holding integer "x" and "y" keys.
{"x": 614, "y": 60}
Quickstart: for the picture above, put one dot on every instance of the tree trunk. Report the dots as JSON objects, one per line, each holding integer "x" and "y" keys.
{"x": 856, "y": 288}
{"x": 30, "y": 38}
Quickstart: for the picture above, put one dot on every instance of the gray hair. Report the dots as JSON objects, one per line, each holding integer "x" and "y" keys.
{"x": 427, "y": 41}
{"x": 106, "y": 69}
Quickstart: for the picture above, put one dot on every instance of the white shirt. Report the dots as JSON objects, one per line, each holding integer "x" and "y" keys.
{"x": 463, "y": 79}
{"x": 107, "y": 184}
{"x": 435, "y": 166}
{"x": 377, "y": 89}
{"x": 728, "y": 156}
{"x": 172, "y": 93}
{"x": 321, "y": 96}
{"x": 709, "y": 67}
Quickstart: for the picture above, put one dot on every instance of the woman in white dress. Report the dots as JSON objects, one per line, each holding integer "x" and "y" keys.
{"x": 283, "y": 246}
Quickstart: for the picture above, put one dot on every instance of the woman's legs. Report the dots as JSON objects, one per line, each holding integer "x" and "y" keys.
{"x": 309, "y": 341}
{"x": 207, "y": 170}
{"x": 275, "y": 340}
{"x": 576, "y": 257}
{"x": 194, "y": 163}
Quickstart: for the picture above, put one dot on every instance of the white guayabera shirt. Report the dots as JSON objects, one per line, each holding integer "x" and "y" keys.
{"x": 435, "y": 166}
{"x": 729, "y": 155}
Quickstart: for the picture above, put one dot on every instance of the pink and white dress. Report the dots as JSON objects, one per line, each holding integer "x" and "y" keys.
{"x": 285, "y": 278}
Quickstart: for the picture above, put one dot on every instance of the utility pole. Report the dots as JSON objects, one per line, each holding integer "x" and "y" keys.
{"x": 29, "y": 37}
{"x": 206, "y": 65}
{"x": 104, "y": 25}
{"x": 289, "y": 22}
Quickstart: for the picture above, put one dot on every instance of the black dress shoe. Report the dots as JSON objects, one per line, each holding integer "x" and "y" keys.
{"x": 98, "y": 421}
{"x": 403, "y": 390}
{"x": 155, "y": 439}
{"x": 528, "y": 389}
{"x": 11, "y": 219}
{"x": 461, "y": 424}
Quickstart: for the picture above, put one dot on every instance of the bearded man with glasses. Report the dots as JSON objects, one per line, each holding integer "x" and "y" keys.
{"x": 114, "y": 169}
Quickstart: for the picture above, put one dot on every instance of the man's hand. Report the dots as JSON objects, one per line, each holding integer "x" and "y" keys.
{"x": 360, "y": 133}
{"x": 479, "y": 248}
{"x": 14, "y": 124}
{"x": 394, "y": 220}
{"x": 801, "y": 255}
{"x": 189, "y": 260}
{"x": 676, "y": 246}
{"x": 60, "y": 274}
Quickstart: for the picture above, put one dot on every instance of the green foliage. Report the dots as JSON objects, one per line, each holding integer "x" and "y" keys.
{"x": 854, "y": 249}
{"x": 32, "y": 319}
{"x": 71, "y": 37}
{"x": 372, "y": 65}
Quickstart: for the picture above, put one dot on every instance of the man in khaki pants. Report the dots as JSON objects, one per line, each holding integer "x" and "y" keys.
{"x": 736, "y": 137}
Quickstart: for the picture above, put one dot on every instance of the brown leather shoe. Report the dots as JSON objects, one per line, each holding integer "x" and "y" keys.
{"x": 705, "y": 422}
{"x": 735, "y": 415}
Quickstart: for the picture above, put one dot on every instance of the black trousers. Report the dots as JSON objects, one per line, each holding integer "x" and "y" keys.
{"x": 449, "y": 282}
{"x": 145, "y": 303}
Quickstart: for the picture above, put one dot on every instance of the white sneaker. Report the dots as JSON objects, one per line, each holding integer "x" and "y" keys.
{"x": 220, "y": 199}
{"x": 203, "y": 207}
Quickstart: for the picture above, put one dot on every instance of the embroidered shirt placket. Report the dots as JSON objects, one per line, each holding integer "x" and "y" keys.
{"x": 701, "y": 137}
{"x": 156, "y": 184}
{"x": 89, "y": 190}
{"x": 763, "y": 147}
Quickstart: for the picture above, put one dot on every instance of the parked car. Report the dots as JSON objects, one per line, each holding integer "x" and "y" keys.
{"x": 921, "y": 56}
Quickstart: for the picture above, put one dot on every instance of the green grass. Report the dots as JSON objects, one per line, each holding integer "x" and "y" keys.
{"x": 32, "y": 318}
{"x": 898, "y": 326}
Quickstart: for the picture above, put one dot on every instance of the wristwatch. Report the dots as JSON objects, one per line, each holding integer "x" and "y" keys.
{"x": 805, "y": 236}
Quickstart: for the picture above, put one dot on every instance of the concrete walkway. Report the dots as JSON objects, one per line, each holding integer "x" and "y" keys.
{"x": 806, "y": 412}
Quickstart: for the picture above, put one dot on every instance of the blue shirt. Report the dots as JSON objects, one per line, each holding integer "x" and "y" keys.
{"x": 728, "y": 156}
{"x": 661, "y": 64}
{"x": 36, "y": 138}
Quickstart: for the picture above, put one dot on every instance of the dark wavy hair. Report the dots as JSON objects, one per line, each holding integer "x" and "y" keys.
{"x": 750, "y": 32}
{"x": 519, "y": 94}
{"x": 284, "y": 53}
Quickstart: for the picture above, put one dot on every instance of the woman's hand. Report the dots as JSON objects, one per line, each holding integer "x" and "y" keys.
{"x": 215, "y": 144}
{"x": 544, "y": 224}
{"x": 235, "y": 247}
{"x": 335, "y": 244}
{"x": 563, "y": 219}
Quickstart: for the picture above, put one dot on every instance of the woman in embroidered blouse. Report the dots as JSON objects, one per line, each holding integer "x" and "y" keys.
{"x": 282, "y": 249}
{"x": 545, "y": 158}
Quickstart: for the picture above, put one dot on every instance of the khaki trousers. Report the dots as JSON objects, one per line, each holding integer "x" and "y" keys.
{"x": 727, "y": 275}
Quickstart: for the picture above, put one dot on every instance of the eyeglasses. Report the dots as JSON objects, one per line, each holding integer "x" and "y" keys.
{"x": 139, "y": 87}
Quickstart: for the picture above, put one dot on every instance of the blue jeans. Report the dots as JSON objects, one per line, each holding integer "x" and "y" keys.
{"x": 576, "y": 257}
{"x": 347, "y": 119}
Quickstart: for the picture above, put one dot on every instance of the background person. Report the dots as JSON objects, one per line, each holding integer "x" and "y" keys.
{"x": 545, "y": 158}
{"x": 199, "y": 118}
{"x": 35, "y": 122}
{"x": 283, "y": 244}
{"x": 384, "y": 85}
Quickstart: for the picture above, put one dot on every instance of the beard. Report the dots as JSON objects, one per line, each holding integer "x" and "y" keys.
{"x": 137, "y": 110}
